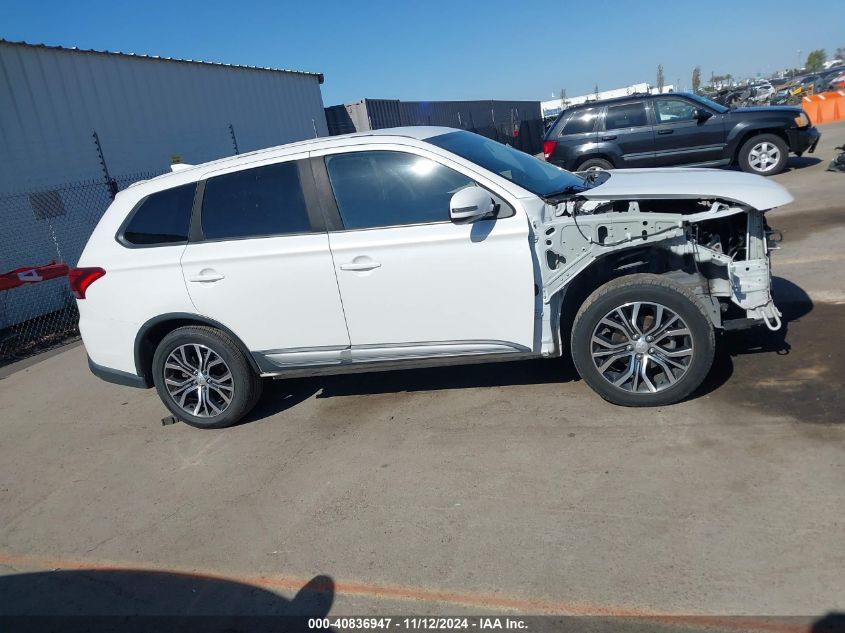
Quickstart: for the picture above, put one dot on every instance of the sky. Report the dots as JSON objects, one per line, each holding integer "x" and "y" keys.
{"x": 444, "y": 50}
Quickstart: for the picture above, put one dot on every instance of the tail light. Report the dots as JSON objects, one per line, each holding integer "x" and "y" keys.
{"x": 548, "y": 148}
{"x": 81, "y": 278}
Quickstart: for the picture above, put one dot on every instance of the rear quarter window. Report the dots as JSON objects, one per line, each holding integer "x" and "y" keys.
{"x": 580, "y": 122}
{"x": 162, "y": 218}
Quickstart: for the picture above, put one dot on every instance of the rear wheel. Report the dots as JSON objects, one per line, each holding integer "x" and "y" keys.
{"x": 642, "y": 340}
{"x": 203, "y": 378}
{"x": 765, "y": 155}
{"x": 595, "y": 164}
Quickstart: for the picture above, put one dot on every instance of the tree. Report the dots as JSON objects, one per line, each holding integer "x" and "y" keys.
{"x": 696, "y": 79}
{"x": 840, "y": 53}
{"x": 597, "y": 91}
{"x": 563, "y": 96}
{"x": 815, "y": 60}
{"x": 660, "y": 79}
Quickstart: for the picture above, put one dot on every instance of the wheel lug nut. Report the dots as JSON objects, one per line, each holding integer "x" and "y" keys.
{"x": 650, "y": 350}
{"x": 630, "y": 347}
{"x": 649, "y": 338}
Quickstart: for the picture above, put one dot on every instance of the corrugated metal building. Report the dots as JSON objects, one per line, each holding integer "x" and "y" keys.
{"x": 516, "y": 122}
{"x": 145, "y": 111}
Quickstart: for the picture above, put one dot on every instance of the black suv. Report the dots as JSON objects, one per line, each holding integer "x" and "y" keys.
{"x": 646, "y": 130}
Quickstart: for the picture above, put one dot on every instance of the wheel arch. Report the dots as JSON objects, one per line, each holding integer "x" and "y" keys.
{"x": 153, "y": 331}
{"x": 746, "y": 134}
{"x": 610, "y": 266}
{"x": 622, "y": 263}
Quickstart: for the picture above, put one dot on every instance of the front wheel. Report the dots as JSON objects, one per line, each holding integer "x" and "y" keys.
{"x": 642, "y": 340}
{"x": 202, "y": 376}
{"x": 765, "y": 155}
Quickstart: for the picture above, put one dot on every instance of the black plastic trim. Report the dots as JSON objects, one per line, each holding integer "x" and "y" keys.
{"x": 117, "y": 377}
{"x": 195, "y": 230}
{"x": 325, "y": 194}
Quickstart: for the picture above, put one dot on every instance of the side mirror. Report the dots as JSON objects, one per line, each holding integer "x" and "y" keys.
{"x": 470, "y": 204}
{"x": 702, "y": 115}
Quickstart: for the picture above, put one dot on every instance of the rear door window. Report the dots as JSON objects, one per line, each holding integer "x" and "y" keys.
{"x": 162, "y": 218}
{"x": 626, "y": 115}
{"x": 256, "y": 202}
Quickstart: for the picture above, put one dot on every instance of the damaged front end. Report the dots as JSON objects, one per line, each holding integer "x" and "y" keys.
{"x": 717, "y": 247}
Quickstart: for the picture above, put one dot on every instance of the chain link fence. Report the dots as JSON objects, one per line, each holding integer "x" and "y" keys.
{"x": 39, "y": 227}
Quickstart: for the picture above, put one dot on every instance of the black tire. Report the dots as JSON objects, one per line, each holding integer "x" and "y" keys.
{"x": 595, "y": 163}
{"x": 770, "y": 169}
{"x": 245, "y": 382}
{"x": 651, "y": 289}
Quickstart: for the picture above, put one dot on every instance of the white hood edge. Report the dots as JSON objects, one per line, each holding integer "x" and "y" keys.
{"x": 683, "y": 182}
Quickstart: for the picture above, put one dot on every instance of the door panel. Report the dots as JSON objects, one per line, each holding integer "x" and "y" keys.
{"x": 680, "y": 139}
{"x": 263, "y": 269}
{"x": 429, "y": 287}
{"x": 627, "y": 127}
{"x": 438, "y": 283}
{"x": 275, "y": 293}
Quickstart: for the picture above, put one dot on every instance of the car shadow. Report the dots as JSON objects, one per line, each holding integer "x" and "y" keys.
{"x": 145, "y": 600}
{"x": 793, "y": 163}
{"x": 281, "y": 395}
{"x": 833, "y": 622}
{"x": 792, "y": 301}
{"x": 800, "y": 162}
{"x": 526, "y": 372}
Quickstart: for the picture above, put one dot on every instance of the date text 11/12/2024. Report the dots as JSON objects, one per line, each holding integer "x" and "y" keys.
{"x": 416, "y": 623}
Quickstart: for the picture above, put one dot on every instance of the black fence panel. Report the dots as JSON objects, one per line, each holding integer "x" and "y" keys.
{"x": 517, "y": 123}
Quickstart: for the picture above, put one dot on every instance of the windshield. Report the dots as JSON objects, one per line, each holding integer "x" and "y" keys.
{"x": 537, "y": 176}
{"x": 705, "y": 101}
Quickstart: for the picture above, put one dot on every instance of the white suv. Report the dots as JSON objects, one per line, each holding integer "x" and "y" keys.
{"x": 418, "y": 246}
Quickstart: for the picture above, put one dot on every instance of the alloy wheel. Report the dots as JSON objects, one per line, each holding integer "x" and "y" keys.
{"x": 642, "y": 347}
{"x": 764, "y": 156}
{"x": 198, "y": 380}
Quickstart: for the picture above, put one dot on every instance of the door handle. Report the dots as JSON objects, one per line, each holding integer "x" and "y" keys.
{"x": 206, "y": 276}
{"x": 360, "y": 265}
{"x": 609, "y": 137}
{"x": 665, "y": 131}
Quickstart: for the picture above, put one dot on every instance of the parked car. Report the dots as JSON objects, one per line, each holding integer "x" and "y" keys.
{"x": 761, "y": 93}
{"x": 646, "y": 130}
{"x": 838, "y": 82}
{"x": 417, "y": 247}
{"x": 832, "y": 78}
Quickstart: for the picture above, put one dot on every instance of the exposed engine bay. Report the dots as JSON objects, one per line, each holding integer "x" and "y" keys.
{"x": 717, "y": 248}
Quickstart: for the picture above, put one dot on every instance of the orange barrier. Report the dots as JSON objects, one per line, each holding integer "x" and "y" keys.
{"x": 825, "y": 107}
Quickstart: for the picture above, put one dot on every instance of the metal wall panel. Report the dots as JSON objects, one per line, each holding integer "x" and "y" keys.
{"x": 143, "y": 109}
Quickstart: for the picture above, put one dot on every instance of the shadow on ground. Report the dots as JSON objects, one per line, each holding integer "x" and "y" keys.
{"x": 281, "y": 395}
{"x": 111, "y": 599}
{"x": 797, "y": 371}
{"x": 801, "y": 162}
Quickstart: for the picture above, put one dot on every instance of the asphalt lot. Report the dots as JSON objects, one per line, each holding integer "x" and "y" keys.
{"x": 479, "y": 489}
